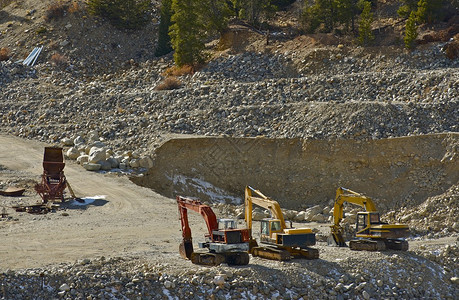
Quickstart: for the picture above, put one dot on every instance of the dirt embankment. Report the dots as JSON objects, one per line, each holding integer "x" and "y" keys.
{"x": 396, "y": 172}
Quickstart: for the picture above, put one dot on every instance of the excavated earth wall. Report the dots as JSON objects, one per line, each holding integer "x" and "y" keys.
{"x": 299, "y": 172}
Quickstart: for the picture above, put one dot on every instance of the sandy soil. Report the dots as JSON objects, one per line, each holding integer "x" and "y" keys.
{"x": 132, "y": 221}
{"x": 126, "y": 223}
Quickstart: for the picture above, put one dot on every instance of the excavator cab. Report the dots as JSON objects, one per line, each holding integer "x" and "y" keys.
{"x": 365, "y": 220}
{"x": 270, "y": 227}
{"x": 227, "y": 224}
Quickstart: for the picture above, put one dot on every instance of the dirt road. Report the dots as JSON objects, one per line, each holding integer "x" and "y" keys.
{"x": 132, "y": 220}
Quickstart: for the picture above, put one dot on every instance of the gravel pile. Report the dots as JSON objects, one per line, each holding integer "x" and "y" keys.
{"x": 413, "y": 96}
{"x": 391, "y": 277}
{"x": 435, "y": 217}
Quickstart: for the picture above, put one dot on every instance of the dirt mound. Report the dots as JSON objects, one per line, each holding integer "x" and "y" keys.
{"x": 395, "y": 172}
{"x": 436, "y": 216}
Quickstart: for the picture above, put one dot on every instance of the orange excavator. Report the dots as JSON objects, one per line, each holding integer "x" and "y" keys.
{"x": 224, "y": 241}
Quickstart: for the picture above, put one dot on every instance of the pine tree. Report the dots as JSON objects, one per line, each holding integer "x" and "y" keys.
{"x": 407, "y": 7}
{"x": 410, "y": 31}
{"x": 128, "y": 14}
{"x": 215, "y": 15}
{"x": 421, "y": 12}
{"x": 366, "y": 18}
{"x": 187, "y": 33}
{"x": 164, "y": 40}
{"x": 252, "y": 10}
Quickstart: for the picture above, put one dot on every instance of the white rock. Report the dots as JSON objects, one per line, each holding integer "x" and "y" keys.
{"x": 135, "y": 154}
{"x": 97, "y": 154}
{"x": 318, "y": 218}
{"x": 314, "y": 210}
{"x": 67, "y": 142}
{"x": 455, "y": 280}
{"x": 258, "y": 215}
{"x": 167, "y": 284}
{"x": 98, "y": 144}
{"x": 365, "y": 295}
{"x": 83, "y": 159}
{"x": 300, "y": 217}
{"x": 93, "y": 136}
{"x": 78, "y": 141}
{"x": 219, "y": 280}
{"x": 92, "y": 166}
{"x": 73, "y": 153}
{"x": 64, "y": 287}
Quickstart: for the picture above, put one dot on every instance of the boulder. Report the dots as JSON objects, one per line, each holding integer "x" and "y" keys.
{"x": 78, "y": 141}
{"x": 97, "y": 154}
{"x": 93, "y": 136}
{"x": 319, "y": 218}
{"x": 67, "y": 142}
{"x": 300, "y": 217}
{"x": 64, "y": 287}
{"x": 146, "y": 162}
{"x": 258, "y": 215}
{"x": 114, "y": 163}
{"x": 105, "y": 165}
{"x": 92, "y": 166}
{"x": 73, "y": 153}
{"x": 83, "y": 159}
{"x": 314, "y": 210}
{"x": 134, "y": 163}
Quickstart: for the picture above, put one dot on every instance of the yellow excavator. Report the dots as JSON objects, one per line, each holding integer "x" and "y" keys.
{"x": 371, "y": 233}
{"x": 276, "y": 240}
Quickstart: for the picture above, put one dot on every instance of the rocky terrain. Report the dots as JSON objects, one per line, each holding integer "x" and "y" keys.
{"x": 102, "y": 104}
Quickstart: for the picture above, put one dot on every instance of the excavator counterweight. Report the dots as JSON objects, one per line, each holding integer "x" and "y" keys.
{"x": 225, "y": 245}
{"x": 371, "y": 233}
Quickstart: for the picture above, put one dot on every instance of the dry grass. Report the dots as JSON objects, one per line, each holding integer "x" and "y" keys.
{"x": 59, "y": 60}
{"x": 179, "y": 71}
{"x": 452, "y": 48}
{"x": 170, "y": 83}
{"x": 56, "y": 11}
{"x": 74, "y": 7}
{"x": 4, "y": 54}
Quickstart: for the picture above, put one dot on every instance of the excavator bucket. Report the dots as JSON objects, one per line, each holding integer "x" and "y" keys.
{"x": 186, "y": 249}
{"x": 336, "y": 240}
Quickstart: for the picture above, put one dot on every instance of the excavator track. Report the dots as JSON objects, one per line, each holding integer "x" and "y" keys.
{"x": 367, "y": 245}
{"x": 271, "y": 253}
{"x": 394, "y": 244}
{"x": 307, "y": 253}
{"x": 237, "y": 258}
{"x": 207, "y": 259}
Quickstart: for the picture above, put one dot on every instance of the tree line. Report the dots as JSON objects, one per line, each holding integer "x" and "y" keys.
{"x": 185, "y": 25}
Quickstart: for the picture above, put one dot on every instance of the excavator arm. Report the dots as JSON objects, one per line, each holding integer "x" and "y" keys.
{"x": 346, "y": 195}
{"x": 184, "y": 204}
{"x": 264, "y": 202}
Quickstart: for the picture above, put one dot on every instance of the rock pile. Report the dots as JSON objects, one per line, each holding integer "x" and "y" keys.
{"x": 358, "y": 97}
{"x": 393, "y": 277}
{"x": 95, "y": 155}
{"x": 436, "y": 217}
